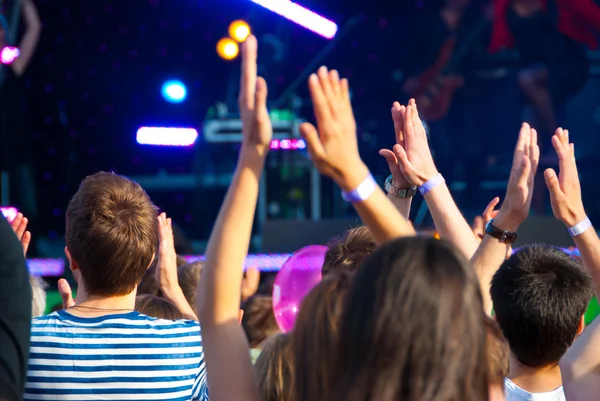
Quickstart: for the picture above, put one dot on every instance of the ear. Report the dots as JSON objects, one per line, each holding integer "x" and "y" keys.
{"x": 72, "y": 264}
{"x": 581, "y": 326}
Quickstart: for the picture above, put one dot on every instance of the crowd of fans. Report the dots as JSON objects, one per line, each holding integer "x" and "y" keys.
{"x": 397, "y": 315}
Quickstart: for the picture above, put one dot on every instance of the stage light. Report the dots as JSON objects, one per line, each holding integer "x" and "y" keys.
{"x": 9, "y": 54}
{"x": 239, "y": 30}
{"x": 227, "y": 48}
{"x": 174, "y": 91}
{"x": 301, "y": 16}
{"x": 166, "y": 136}
{"x": 288, "y": 144}
{"x": 9, "y": 212}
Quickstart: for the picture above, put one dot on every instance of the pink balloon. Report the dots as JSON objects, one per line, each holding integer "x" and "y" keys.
{"x": 298, "y": 275}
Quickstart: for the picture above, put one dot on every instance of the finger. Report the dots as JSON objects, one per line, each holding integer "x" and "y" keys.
{"x": 25, "y": 241}
{"x": 334, "y": 78}
{"x": 418, "y": 123}
{"x": 389, "y": 156}
{"x": 494, "y": 214}
{"x": 248, "y": 79}
{"x": 21, "y": 228}
{"x": 409, "y": 131}
{"x": 66, "y": 294}
{"x": 260, "y": 97}
{"x": 398, "y": 123}
{"x": 313, "y": 142}
{"x": 344, "y": 86}
{"x": 406, "y": 166}
{"x": 327, "y": 86}
{"x": 16, "y": 221}
{"x": 552, "y": 183}
{"x": 523, "y": 139}
{"x": 490, "y": 208}
{"x": 534, "y": 153}
{"x": 320, "y": 104}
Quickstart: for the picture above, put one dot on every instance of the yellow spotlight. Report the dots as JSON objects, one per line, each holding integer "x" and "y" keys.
{"x": 239, "y": 30}
{"x": 227, "y": 48}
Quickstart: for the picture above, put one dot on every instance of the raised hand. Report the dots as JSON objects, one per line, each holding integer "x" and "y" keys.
{"x": 565, "y": 189}
{"x": 166, "y": 266}
{"x": 398, "y": 116}
{"x": 66, "y": 294}
{"x": 334, "y": 148}
{"x": 250, "y": 282}
{"x": 19, "y": 226}
{"x": 415, "y": 157}
{"x": 519, "y": 191}
{"x": 488, "y": 214}
{"x": 253, "y": 101}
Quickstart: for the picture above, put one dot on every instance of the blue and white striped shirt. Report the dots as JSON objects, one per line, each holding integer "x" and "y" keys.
{"x": 115, "y": 357}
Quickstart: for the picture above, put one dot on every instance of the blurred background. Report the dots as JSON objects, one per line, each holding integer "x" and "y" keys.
{"x": 148, "y": 88}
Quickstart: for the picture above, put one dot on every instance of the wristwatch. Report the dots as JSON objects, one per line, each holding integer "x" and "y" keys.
{"x": 399, "y": 192}
{"x": 505, "y": 237}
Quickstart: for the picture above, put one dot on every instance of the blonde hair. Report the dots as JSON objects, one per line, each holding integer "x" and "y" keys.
{"x": 274, "y": 369}
{"x": 38, "y": 296}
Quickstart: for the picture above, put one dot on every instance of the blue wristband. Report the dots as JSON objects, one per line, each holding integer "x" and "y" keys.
{"x": 364, "y": 190}
{"x": 580, "y": 228}
{"x": 432, "y": 183}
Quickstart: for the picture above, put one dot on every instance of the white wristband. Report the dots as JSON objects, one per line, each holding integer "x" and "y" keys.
{"x": 580, "y": 228}
{"x": 361, "y": 193}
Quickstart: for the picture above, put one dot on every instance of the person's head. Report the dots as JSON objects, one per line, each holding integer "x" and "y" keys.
{"x": 413, "y": 327}
{"x": 111, "y": 234}
{"x": 189, "y": 277}
{"x": 274, "y": 369}
{"x": 498, "y": 359}
{"x": 258, "y": 320}
{"x": 157, "y": 307}
{"x": 347, "y": 252}
{"x": 316, "y": 334}
{"x": 540, "y": 295}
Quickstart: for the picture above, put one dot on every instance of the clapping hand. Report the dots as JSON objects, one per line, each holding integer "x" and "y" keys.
{"x": 565, "y": 189}
{"x": 519, "y": 191}
{"x": 333, "y": 148}
{"x": 415, "y": 160}
{"x": 391, "y": 156}
{"x": 19, "y": 226}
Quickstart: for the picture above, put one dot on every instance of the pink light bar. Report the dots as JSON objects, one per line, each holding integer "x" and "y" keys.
{"x": 9, "y": 54}
{"x": 288, "y": 144}
{"x": 301, "y": 16}
{"x": 9, "y": 212}
{"x": 166, "y": 136}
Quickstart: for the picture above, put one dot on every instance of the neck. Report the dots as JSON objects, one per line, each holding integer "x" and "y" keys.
{"x": 534, "y": 380}
{"x": 98, "y": 305}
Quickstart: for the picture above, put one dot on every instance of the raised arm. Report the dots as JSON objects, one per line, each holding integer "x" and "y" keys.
{"x": 579, "y": 366}
{"x": 567, "y": 205}
{"x": 229, "y": 369}
{"x": 419, "y": 169}
{"x": 398, "y": 181}
{"x": 166, "y": 269}
{"x": 334, "y": 150}
{"x": 514, "y": 210}
{"x": 33, "y": 28}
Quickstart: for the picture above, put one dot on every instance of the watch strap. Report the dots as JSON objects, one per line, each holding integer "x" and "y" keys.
{"x": 398, "y": 192}
{"x": 505, "y": 237}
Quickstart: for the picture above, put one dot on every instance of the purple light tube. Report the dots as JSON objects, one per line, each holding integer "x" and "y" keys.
{"x": 166, "y": 136}
{"x": 301, "y": 16}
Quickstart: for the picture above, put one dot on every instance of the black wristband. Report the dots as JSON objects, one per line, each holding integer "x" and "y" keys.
{"x": 505, "y": 237}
